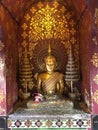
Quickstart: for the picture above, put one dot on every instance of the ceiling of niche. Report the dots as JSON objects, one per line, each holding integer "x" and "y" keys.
{"x": 17, "y": 8}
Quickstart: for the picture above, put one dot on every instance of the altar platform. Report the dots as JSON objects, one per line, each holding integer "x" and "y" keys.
{"x": 47, "y": 116}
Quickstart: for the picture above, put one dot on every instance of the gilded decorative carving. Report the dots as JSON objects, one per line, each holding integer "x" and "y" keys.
{"x": 32, "y": 46}
{"x": 63, "y": 9}
{"x": 24, "y": 34}
{"x": 73, "y": 40}
{"x": 96, "y": 79}
{"x": 73, "y": 31}
{"x": 46, "y": 22}
{"x": 33, "y": 10}
{"x": 95, "y": 96}
{"x": 27, "y": 17}
{"x": 49, "y": 22}
{"x": 72, "y": 23}
{"x": 94, "y": 59}
{"x": 55, "y": 4}
{"x": 24, "y": 26}
{"x": 40, "y": 5}
{"x": 24, "y": 43}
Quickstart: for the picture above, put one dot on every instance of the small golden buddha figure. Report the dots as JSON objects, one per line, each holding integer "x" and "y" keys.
{"x": 50, "y": 83}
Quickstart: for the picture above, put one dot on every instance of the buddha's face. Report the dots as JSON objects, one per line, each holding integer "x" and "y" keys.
{"x": 50, "y": 64}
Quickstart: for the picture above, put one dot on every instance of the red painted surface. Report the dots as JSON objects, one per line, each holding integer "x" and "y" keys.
{"x": 84, "y": 40}
{"x": 8, "y": 72}
{"x": 93, "y": 5}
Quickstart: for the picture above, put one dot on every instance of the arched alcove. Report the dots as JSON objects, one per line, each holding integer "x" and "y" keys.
{"x": 72, "y": 19}
{"x": 29, "y": 26}
{"x": 35, "y": 35}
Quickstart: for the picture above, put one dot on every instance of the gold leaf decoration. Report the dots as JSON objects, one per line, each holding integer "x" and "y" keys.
{"x": 24, "y": 43}
{"x": 72, "y": 40}
{"x": 55, "y": 4}
{"x": 45, "y": 22}
{"x": 24, "y": 35}
{"x": 27, "y": 17}
{"x": 49, "y": 23}
{"x": 73, "y": 31}
{"x": 72, "y": 23}
{"x": 40, "y": 5}
{"x": 63, "y": 9}
{"x": 94, "y": 59}
{"x": 33, "y": 10}
{"x": 96, "y": 79}
{"x": 24, "y": 26}
{"x": 95, "y": 96}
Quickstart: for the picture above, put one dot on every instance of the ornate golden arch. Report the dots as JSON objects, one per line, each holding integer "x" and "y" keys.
{"x": 45, "y": 22}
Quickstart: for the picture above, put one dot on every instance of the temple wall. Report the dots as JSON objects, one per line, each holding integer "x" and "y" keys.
{"x": 84, "y": 40}
{"x": 93, "y": 7}
{"x": 9, "y": 84}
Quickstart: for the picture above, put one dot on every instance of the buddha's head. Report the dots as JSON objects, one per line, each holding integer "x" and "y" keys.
{"x": 50, "y": 61}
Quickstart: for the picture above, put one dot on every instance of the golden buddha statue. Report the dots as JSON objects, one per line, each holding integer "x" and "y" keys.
{"x": 50, "y": 83}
